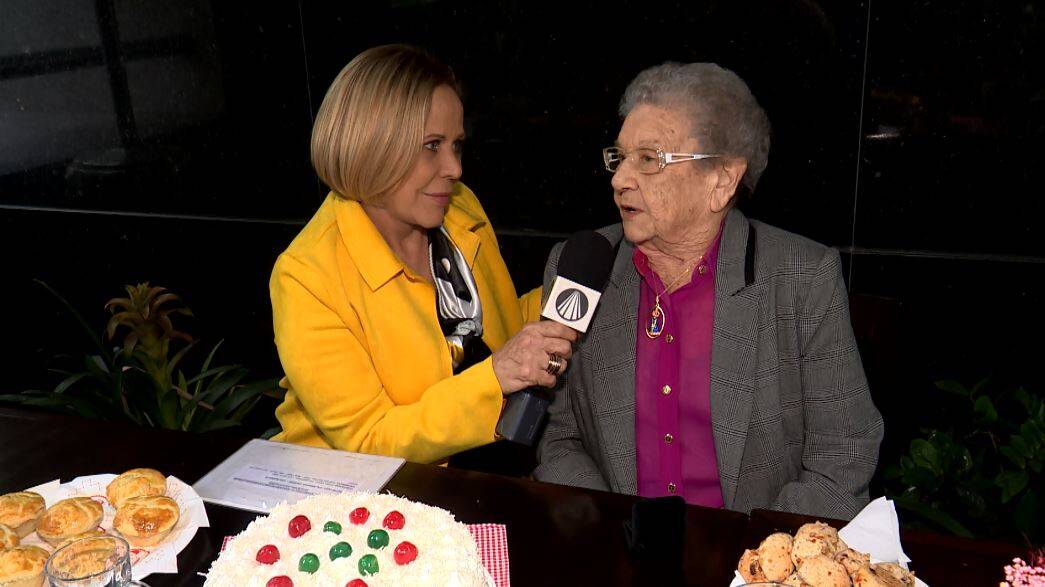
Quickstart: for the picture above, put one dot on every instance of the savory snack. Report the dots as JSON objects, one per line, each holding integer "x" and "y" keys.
{"x": 823, "y": 571}
{"x": 813, "y": 539}
{"x": 8, "y": 537}
{"x": 146, "y": 521}
{"x": 866, "y": 576}
{"x": 852, "y": 559}
{"x": 818, "y": 557}
{"x": 96, "y": 533}
{"x": 135, "y": 483}
{"x": 749, "y": 567}
{"x": 22, "y": 566}
{"x": 774, "y": 556}
{"x": 68, "y": 517}
{"x": 21, "y": 511}
{"x": 900, "y": 574}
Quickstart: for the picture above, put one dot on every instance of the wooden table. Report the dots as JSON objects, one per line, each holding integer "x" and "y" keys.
{"x": 556, "y": 535}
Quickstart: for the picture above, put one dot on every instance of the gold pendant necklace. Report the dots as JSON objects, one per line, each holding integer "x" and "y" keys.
{"x": 658, "y": 319}
{"x": 655, "y": 327}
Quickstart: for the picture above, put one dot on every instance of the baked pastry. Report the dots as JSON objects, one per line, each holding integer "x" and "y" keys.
{"x": 68, "y": 517}
{"x": 852, "y": 559}
{"x": 135, "y": 483}
{"x": 8, "y": 537}
{"x": 96, "y": 533}
{"x": 22, "y": 566}
{"x": 866, "y": 576}
{"x": 774, "y": 556}
{"x": 146, "y": 521}
{"x": 21, "y": 511}
{"x": 793, "y": 580}
{"x": 749, "y": 567}
{"x": 813, "y": 539}
{"x": 905, "y": 577}
{"x": 823, "y": 571}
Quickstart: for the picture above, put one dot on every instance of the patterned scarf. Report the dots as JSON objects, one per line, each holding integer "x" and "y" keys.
{"x": 457, "y": 301}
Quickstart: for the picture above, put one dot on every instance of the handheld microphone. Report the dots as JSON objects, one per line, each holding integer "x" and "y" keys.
{"x": 584, "y": 266}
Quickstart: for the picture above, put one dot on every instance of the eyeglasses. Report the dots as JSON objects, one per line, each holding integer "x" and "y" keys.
{"x": 647, "y": 161}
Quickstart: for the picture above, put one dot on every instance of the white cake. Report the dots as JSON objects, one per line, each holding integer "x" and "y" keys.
{"x": 445, "y": 551}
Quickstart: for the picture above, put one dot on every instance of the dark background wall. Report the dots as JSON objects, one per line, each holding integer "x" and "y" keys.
{"x": 168, "y": 142}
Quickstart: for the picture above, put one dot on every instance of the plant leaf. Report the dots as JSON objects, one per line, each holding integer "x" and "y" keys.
{"x": 177, "y": 358}
{"x": 952, "y": 386}
{"x": 931, "y": 514}
{"x": 980, "y": 385}
{"x": 211, "y": 424}
{"x": 1011, "y": 483}
{"x": 268, "y": 434}
{"x": 1014, "y": 456}
{"x": 241, "y": 394}
{"x": 69, "y": 381}
{"x": 1026, "y": 515}
{"x": 1020, "y": 445}
{"x": 985, "y": 408}
{"x": 925, "y": 455}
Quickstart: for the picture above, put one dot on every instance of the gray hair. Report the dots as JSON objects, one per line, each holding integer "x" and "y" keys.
{"x": 726, "y": 117}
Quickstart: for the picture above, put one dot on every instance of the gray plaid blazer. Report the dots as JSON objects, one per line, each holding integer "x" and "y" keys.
{"x": 794, "y": 425}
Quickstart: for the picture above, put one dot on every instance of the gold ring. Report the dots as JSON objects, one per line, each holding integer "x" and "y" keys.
{"x": 554, "y": 365}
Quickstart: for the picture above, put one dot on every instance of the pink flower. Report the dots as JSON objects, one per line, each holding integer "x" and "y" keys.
{"x": 1020, "y": 574}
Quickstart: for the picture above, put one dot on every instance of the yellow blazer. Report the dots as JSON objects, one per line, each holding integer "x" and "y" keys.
{"x": 367, "y": 367}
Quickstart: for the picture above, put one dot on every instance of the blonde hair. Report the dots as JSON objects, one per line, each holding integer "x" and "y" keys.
{"x": 368, "y": 130}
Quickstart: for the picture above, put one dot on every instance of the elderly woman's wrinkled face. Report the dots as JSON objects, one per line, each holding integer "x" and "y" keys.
{"x": 677, "y": 206}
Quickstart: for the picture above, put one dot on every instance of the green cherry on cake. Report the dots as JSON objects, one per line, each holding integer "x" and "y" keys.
{"x": 377, "y": 539}
{"x": 368, "y": 565}
{"x": 332, "y": 527}
{"x": 309, "y": 563}
{"x": 340, "y": 550}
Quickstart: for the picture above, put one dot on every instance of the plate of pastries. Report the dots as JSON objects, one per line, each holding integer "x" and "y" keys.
{"x": 157, "y": 516}
{"x": 815, "y": 556}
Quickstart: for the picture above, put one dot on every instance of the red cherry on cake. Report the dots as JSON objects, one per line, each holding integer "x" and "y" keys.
{"x": 280, "y": 581}
{"x": 405, "y": 553}
{"x": 298, "y": 526}
{"x": 359, "y": 516}
{"x": 268, "y": 554}
{"x": 356, "y": 583}
{"x": 394, "y": 520}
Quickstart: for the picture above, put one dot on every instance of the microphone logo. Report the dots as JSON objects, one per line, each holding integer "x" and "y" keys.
{"x": 571, "y": 304}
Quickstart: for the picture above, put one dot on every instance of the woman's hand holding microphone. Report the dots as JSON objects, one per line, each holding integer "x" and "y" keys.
{"x": 531, "y": 356}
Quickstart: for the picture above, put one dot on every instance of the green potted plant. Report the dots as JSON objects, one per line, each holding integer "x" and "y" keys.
{"x": 144, "y": 378}
{"x": 977, "y": 473}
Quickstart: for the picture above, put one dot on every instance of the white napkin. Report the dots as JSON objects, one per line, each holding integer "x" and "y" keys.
{"x": 162, "y": 558}
{"x": 876, "y": 531}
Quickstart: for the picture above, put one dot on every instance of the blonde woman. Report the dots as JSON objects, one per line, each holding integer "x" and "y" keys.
{"x": 396, "y": 321}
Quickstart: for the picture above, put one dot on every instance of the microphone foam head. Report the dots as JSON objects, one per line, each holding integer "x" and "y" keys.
{"x": 587, "y": 259}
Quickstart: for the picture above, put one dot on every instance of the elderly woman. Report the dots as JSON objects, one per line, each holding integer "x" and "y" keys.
{"x": 720, "y": 365}
{"x": 396, "y": 321}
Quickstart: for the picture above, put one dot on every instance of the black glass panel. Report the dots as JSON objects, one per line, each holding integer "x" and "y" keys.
{"x": 955, "y": 128}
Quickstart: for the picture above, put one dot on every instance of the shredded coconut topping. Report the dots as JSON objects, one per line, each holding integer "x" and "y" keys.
{"x": 447, "y": 554}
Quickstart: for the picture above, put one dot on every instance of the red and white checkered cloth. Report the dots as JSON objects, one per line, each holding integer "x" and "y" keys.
{"x": 492, "y": 540}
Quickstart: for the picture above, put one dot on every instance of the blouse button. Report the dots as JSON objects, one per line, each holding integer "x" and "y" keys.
{"x": 668, "y": 438}
{"x": 670, "y": 339}
{"x": 666, "y": 390}
{"x": 672, "y": 487}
